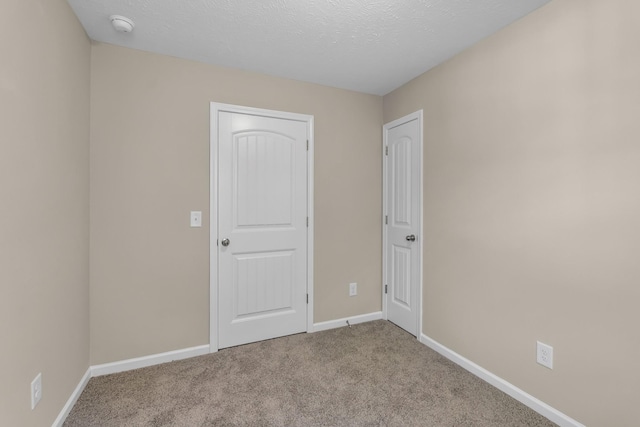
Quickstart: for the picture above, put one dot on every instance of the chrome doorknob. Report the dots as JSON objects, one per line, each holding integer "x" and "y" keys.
{"x": 225, "y": 242}
{"x": 411, "y": 238}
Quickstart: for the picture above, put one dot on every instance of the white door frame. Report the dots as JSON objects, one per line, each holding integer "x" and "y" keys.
{"x": 416, "y": 115}
{"x": 213, "y": 209}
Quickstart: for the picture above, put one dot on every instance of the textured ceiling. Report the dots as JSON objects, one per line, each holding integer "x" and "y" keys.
{"x": 371, "y": 46}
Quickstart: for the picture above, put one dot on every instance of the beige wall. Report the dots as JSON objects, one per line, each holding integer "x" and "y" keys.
{"x": 44, "y": 207}
{"x": 532, "y": 207}
{"x": 150, "y": 167}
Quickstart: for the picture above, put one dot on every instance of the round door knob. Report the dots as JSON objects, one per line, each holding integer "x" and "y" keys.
{"x": 411, "y": 238}
{"x": 225, "y": 242}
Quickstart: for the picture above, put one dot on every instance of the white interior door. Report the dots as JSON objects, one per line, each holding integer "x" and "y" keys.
{"x": 403, "y": 221}
{"x": 262, "y": 227}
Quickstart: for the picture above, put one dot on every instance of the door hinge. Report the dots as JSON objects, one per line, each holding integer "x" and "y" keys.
{"x": 385, "y": 288}
{"x": 307, "y": 298}
{"x": 307, "y": 221}
{"x": 386, "y": 150}
{"x": 386, "y": 219}
{"x": 307, "y": 145}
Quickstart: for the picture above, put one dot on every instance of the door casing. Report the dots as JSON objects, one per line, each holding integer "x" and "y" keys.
{"x": 213, "y": 209}
{"x": 420, "y": 247}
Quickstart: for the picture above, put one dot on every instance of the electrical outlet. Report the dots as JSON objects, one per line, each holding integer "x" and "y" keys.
{"x": 36, "y": 390}
{"x": 544, "y": 355}
{"x": 353, "y": 289}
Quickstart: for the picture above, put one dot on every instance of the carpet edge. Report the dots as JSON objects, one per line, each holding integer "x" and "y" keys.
{"x": 353, "y": 320}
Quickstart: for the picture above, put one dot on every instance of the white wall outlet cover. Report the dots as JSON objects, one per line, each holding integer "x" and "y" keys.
{"x": 196, "y": 219}
{"x": 36, "y": 390}
{"x": 544, "y": 354}
{"x": 353, "y": 289}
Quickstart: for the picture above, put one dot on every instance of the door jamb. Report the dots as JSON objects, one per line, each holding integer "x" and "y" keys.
{"x": 215, "y": 108}
{"x": 416, "y": 115}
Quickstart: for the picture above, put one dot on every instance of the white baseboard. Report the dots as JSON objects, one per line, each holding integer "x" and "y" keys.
{"x": 72, "y": 399}
{"x": 338, "y": 323}
{"x": 143, "y": 362}
{"x": 505, "y": 386}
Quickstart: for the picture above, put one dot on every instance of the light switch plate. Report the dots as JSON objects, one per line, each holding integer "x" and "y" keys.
{"x": 196, "y": 218}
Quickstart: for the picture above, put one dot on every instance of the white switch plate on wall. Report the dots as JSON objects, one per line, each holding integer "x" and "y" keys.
{"x": 196, "y": 218}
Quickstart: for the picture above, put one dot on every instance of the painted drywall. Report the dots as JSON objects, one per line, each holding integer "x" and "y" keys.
{"x": 532, "y": 207}
{"x": 44, "y": 208}
{"x": 150, "y": 167}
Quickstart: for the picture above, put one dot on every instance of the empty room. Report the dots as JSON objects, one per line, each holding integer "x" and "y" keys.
{"x": 319, "y": 213}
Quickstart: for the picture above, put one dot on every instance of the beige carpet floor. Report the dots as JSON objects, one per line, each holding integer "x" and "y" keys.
{"x": 372, "y": 374}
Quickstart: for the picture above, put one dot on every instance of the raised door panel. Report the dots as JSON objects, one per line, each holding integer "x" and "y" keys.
{"x": 401, "y": 273}
{"x": 264, "y": 174}
{"x": 401, "y": 152}
{"x": 263, "y": 284}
